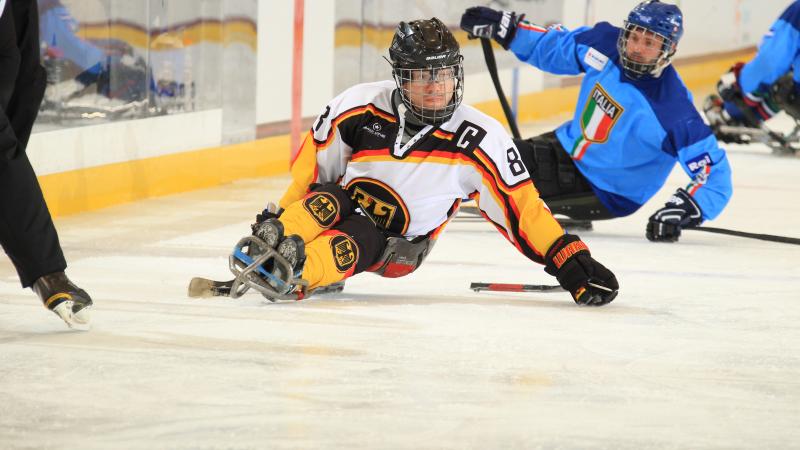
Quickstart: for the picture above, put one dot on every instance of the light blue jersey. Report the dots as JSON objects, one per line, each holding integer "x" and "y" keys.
{"x": 627, "y": 134}
{"x": 778, "y": 53}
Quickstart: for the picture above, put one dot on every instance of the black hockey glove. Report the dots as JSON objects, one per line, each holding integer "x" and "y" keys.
{"x": 589, "y": 282}
{"x": 680, "y": 211}
{"x": 483, "y": 22}
{"x": 272, "y": 211}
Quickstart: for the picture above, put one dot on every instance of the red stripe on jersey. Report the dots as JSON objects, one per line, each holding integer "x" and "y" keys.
{"x": 531, "y": 27}
{"x": 367, "y": 153}
{"x": 441, "y": 134}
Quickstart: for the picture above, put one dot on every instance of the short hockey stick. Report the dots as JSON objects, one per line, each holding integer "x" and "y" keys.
{"x": 509, "y": 287}
{"x": 744, "y": 234}
{"x": 205, "y": 288}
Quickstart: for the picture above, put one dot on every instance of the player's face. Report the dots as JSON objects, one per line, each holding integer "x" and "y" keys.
{"x": 644, "y": 46}
{"x": 431, "y": 89}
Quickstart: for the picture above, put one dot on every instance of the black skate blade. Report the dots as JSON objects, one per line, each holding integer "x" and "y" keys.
{"x": 575, "y": 224}
{"x": 333, "y": 288}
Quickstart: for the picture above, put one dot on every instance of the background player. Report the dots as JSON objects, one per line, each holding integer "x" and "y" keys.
{"x": 754, "y": 92}
{"x": 634, "y": 119}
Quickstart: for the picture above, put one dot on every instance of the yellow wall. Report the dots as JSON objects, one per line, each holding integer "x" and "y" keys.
{"x": 98, "y": 187}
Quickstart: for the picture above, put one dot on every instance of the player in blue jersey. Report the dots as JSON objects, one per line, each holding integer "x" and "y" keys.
{"x": 754, "y": 92}
{"x": 634, "y": 119}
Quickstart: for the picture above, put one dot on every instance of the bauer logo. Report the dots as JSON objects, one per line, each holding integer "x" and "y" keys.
{"x": 324, "y": 208}
{"x": 505, "y": 21}
{"x": 442, "y": 56}
{"x": 345, "y": 252}
{"x": 697, "y": 163}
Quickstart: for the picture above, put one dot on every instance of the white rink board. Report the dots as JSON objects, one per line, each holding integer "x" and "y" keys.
{"x": 700, "y": 350}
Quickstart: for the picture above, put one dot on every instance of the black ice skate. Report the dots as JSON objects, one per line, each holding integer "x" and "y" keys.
{"x": 68, "y": 301}
{"x": 269, "y": 263}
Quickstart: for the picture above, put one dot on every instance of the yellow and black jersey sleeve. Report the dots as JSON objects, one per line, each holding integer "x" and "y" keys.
{"x": 304, "y": 171}
{"x": 509, "y": 200}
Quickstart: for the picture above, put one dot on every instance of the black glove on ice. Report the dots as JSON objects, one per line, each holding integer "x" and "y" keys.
{"x": 589, "y": 282}
{"x": 483, "y": 22}
{"x": 680, "y": 211}
{"x": 272, "y": 211}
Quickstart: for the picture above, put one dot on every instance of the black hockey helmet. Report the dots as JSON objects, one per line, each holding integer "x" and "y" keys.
{"x": 427, "y": 46}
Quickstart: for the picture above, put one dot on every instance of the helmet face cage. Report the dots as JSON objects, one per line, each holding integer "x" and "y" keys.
{"x": 432, "y": 94}
{"x": 637, "y": 69}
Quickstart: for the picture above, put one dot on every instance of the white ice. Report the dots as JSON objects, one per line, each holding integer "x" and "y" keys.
{"x": 700, "y": 350}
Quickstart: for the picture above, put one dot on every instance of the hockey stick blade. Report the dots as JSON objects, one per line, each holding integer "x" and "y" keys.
{"x": 511, "y": 287}
{"x": 744, "y": 234}
{"x": 205, "y": 288}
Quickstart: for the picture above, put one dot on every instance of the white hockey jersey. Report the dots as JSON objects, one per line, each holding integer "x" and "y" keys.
{"x": 414, "y": 189}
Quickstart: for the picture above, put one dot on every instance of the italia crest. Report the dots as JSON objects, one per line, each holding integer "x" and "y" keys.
{"x": 597, "y": 120}
{"x": 599, "y": 115}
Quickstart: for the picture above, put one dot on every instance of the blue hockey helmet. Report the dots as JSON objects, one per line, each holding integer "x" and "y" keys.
{"x": 649, "y": 18}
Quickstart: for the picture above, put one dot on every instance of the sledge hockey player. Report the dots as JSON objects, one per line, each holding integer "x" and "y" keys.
{"x": 754, "y": 92}
{"x": 26, "y": 228}
{"x": 634, "y": 119}
{"x": 385, "y": 167}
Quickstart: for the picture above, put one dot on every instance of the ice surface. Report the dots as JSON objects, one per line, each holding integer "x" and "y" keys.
{"x": 700, "y": 350}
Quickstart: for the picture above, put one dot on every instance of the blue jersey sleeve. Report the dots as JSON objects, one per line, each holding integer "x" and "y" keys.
{"x": 776, "y": 54}
{"x": 706, "y": 163}
{"x": 58, "y": 30}
{"x": 552, "y": 49}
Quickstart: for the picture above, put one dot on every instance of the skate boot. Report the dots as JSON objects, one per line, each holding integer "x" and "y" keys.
{"x": 268, "y": 262}
{"x": 270, "y": 231}
{"x": 287, "y": 270}
{"x": 721, "y": 123}
{"x": 291, "y": 248}
{"x": 68, "y": 301}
